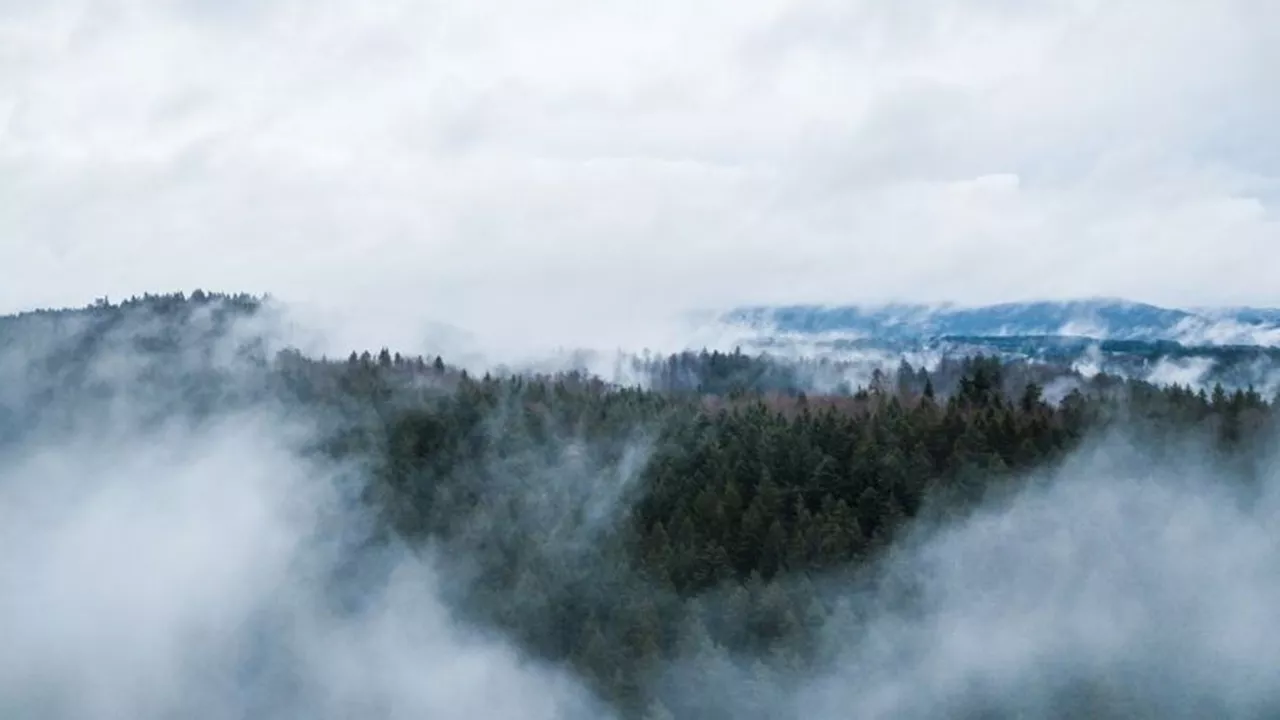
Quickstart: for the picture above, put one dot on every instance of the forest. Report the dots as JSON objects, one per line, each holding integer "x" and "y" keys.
{"x": 720, "y": 519}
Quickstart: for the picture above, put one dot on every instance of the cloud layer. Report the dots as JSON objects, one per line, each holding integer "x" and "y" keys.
{"x": 551, "y": 171}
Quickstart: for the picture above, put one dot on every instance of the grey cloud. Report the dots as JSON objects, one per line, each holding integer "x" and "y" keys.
{"x": 561, "y": 165}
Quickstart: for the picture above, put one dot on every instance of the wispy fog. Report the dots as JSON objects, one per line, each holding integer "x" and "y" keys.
{"x": 1123, "y": 586}
{"x": 217, "y": 568}
{"x": 1132, "y": 583}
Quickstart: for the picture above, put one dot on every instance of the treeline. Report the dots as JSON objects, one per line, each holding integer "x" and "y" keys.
{"x": 713, "y": 372}
{"x": 158, "y": 303}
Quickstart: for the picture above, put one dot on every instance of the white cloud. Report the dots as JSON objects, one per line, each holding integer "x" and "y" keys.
{"x": 557, "y": 171}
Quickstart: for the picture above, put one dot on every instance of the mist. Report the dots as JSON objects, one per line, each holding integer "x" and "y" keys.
{"x": 1132, "y": 582}
{"x": 159, "y": 563}
{"x": 1125, "y": 585}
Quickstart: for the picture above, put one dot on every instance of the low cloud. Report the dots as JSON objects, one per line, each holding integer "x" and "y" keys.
{"x": 1131, "y": 582}
{"x": 156, "y": 563}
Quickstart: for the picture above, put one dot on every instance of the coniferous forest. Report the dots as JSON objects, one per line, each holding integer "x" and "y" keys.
{"x": 719, "y": 520}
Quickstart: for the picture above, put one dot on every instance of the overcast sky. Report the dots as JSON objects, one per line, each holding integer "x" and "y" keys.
{"x": 551, "y": 166}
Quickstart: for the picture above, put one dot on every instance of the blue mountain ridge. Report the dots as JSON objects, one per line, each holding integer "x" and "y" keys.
{"x": 1098, "y": 319}
{"x": 1237, "y": 347}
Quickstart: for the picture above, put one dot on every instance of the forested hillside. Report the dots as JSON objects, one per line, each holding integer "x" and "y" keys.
{"x": 719, "y": 521}
{"x": 748, "y": 500}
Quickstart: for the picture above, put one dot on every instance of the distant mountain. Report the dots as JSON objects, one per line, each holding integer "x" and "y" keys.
{"x": 1237, "y": 347}
{"x": 1098, "y": 319}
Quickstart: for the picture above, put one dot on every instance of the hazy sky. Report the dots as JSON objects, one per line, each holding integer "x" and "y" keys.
{"x": 497, "y": 163}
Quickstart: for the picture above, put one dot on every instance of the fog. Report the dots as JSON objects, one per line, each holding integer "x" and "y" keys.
{"x": 1135, "y": 582}
{"x": 202, "y": 568}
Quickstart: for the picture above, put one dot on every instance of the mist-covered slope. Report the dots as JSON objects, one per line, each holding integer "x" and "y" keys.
{"x": 200, "y": 521}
